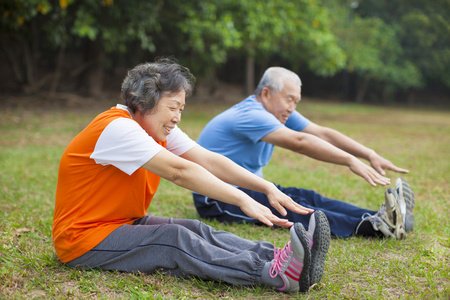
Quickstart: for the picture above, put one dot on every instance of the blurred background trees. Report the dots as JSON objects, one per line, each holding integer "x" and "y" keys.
{"x": 374, "y": 51}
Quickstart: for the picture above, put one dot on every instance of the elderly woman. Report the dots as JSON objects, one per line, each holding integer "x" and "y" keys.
{"x": 110, "y": 171}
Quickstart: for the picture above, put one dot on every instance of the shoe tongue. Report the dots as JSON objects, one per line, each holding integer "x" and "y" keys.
{"x": 311, "y": 227}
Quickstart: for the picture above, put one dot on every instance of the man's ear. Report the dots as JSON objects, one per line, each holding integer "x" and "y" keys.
{"x": 265, "y": 93}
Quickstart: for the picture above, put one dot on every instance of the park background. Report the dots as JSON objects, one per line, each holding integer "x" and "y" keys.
{"x": 376, "y": 70}
{"x": 358, "y": 51}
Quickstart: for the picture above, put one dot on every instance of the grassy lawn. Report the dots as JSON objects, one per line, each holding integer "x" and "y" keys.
{"x": 32, "y": 142}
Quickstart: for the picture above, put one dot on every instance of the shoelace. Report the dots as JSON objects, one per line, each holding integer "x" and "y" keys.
{"x": 374, "y": 219}
{"x": 280, "y": 258}
{"x": 377, "y": 222}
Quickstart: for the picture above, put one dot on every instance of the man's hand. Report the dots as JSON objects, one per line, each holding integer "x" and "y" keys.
{"x": 368, "y": 173}
{"x": 380, "y": 164}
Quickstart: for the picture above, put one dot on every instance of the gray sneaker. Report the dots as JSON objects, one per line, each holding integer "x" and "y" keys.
{"x": 389, "y": 219}
{"x": 319, "y": 237}
{"x": 292, "y": 263}
{"x": 406, "y": 195}
{"x": 377, "y": 223}
{"x": 394, "y": 213}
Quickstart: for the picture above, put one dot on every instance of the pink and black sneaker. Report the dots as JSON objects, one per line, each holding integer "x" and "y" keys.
{"x": 319, "y": 236}
{"x": 292, "y": 263}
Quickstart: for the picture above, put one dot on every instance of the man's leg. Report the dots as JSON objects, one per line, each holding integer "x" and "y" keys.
{"x": 209, "y": 208}
{"x": 180, "y": 248}
{"x": 342, "y": 216}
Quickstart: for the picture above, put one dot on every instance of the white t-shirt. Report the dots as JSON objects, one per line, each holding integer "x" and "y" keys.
{"x": 125, "y": 144}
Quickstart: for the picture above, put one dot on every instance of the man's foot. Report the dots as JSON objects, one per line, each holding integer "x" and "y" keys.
{"x": 395, "y": 212}
{"x": 292, "y": 263}
{"x": 319, "y": 237}
{"x": 380, "y": 228}
{"x": 405, "y": 193}
{"x": 389, "y": 218}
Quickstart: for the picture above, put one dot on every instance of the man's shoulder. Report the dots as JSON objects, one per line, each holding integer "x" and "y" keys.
{"x": 248, "y": 103}
{"x": 249, "y": 108}
{"x": 237, "y": 111}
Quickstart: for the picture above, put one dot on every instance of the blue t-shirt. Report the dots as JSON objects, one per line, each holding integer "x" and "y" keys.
{"x": 237, "y": 132}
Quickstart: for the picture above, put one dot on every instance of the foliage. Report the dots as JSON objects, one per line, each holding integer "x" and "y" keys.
{"x": 116, "y": 24}
{"x": 400, "y": 45}
{"x": 205, "y": 32}
{"x": 422, "y": 30}
{"x": 373, "y": 50}
{"x": 298, "y": 31}
{"x": 199, "y": 33}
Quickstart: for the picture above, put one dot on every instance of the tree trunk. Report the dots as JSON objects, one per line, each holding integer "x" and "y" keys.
{"x": 362, "y": 90}
{"x": 250, "y": 76}
{"x": 57, "y": 73}
{"x": 92, "y": 77}
{"x": 411, "y": 97}
{"x": 14, "y": 63}
{"x": 29, "y": 64}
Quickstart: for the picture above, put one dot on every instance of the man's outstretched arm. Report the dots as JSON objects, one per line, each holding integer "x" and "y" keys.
{"x": 347, "y": 144}
{"x": 317, "y": 148}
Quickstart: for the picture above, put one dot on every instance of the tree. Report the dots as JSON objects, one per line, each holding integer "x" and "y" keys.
{"x": 199, "y": 33}
{"x": 396, "y": 45}
{"x": 297, "y": 31}
{"x": 20, "y": 39}
{"x": 425, "y": 35}
{"x": 204, "y": 33}
{"x": 373, "y": 51}
{"x": 422, "y": 32}
{"x": 105, "y": 27}
{"x": 94, "y": 26}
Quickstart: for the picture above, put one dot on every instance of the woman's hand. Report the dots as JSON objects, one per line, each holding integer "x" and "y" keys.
{"x": 280, "y": 201}
{"x": 262, "y": 213}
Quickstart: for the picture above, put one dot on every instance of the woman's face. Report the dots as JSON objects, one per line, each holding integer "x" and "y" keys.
{"x": 163, "y": 117}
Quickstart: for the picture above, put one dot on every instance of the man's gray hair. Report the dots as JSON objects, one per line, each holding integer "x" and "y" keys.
{"x": 274, "y": 79}
{"x": 147, "y": 83}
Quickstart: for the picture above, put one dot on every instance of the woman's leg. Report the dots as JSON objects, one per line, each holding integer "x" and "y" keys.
{"x": 222, "y": 239}
{"x": 186, "y": 248}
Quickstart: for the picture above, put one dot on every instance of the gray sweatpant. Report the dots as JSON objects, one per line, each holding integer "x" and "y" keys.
{"x": 180, "y": 247}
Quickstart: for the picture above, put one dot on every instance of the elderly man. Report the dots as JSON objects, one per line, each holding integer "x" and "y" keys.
{"x": 247, "y": 134}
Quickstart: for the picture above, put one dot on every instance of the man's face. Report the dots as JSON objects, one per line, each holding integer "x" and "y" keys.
{"x": 283, "y": 103}
{"x": 163, "y": 117}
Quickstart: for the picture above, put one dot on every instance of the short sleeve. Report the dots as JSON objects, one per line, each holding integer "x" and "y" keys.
{"x": 125, "y": 145}
{"x": 178, "y": 142}
{"x": 254, "y": 124}
{"x": 297, "y": 121}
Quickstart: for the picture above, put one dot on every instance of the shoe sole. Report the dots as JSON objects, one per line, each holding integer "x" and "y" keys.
{"x": 405, "y": 192}
{"x": 399, "y": 231}
{"x": 304, "y": 276}
{"x": 319, "y": 250}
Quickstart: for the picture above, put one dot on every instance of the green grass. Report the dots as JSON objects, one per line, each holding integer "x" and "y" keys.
{"x": 32, "y": 142}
